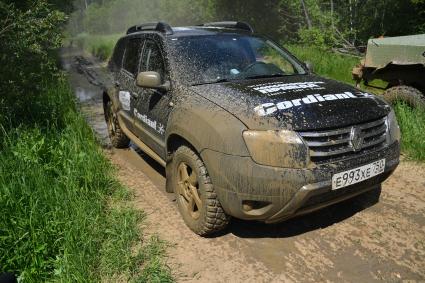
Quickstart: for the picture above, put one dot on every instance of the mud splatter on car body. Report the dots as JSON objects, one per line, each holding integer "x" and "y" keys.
{"x": 271, "y": 134}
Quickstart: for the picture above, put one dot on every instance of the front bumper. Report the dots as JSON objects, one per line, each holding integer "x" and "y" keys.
{"x": 281, "y": 193}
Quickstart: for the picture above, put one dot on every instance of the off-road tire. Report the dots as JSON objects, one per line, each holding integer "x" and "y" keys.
{"x": 116, "y": 134}
{"x": 410, "y": 95}
{"x": 212, "y": 217}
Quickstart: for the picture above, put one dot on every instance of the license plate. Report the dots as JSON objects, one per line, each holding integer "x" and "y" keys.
{"x": 357, "y": 175}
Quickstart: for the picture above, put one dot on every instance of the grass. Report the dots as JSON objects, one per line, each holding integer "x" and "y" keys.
{"x": 100, "y": 46}
{"x": 63, "y": 215}
{"x": 412, "y": 125}
{"x": 325, "y": 63}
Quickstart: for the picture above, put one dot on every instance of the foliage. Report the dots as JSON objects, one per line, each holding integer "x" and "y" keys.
{"x": 412, "y": 125}
{"x": 330, "y": 23}
{"x": 326, "y": 63}
{"x": 28, "y": 41}
{"x": 316, "y": 37}
{"x": 63, "y": 216}
{"x": 100, "y": 46}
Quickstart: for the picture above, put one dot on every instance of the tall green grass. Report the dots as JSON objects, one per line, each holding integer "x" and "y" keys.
{"x": 100, "y": 46}
{"x": 63, "y": 216}
{"x": 412, "y": 125}
{"x": 326, "y": 63}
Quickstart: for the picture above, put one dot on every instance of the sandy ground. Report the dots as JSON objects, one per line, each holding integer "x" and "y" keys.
{"x": 353, "y": 241}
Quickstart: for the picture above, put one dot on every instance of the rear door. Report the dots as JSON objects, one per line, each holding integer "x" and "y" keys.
{"x": 153, "y": 106}
{"x": 127, "y": 81}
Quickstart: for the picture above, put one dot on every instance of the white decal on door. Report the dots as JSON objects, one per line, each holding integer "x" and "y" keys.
{"x": 124, "y": 97}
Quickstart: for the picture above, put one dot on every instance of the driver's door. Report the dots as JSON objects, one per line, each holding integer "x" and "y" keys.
{"x": 153, "y": 106}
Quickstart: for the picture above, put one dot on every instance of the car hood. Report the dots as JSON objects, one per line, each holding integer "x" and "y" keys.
{"x": 301, "y": 102}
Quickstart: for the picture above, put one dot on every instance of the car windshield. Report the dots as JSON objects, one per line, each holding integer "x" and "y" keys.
{"x": 218, "y": 58}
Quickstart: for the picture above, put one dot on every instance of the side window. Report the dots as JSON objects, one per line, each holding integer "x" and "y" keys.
{"x": 116, "y": 60}
{"x": 152, "y": 59}
{"x": 132, "y": 56}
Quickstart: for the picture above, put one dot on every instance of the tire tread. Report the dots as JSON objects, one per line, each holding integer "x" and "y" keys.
{"x": 216, "y": 219}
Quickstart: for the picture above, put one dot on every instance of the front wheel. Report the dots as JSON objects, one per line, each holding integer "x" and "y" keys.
{"x": 196, "y": 199}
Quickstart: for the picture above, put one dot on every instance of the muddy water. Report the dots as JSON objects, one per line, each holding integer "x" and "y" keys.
{"x": 354, "y": 241}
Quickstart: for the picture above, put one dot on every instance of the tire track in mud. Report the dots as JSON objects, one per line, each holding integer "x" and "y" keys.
{"x": 354, "y": 241}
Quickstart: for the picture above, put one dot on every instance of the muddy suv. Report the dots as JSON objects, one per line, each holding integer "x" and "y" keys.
{"x": 242, "y": 127}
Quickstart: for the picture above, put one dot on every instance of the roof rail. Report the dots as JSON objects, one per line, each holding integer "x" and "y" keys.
{"x": 158, "y": 26}
{"x": 230, "y": 24}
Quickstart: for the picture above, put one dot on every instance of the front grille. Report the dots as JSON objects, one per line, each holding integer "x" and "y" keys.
{"x": 332, "y": 145}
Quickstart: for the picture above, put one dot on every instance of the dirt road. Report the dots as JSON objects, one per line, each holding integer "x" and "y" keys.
{"x": 347, "y": 242}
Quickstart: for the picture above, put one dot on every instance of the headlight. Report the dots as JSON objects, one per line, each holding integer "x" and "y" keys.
{"x": 277, "y": 148}
{"x": 393, "y": 128}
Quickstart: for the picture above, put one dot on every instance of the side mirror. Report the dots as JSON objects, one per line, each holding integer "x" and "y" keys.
{"x": 309, "y": 66}
{"x": 151, "y": 80}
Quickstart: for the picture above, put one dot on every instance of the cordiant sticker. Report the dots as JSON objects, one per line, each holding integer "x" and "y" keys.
{"x": 271, "y": 107}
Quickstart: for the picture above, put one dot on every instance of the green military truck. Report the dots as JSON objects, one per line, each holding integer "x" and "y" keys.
{"x": 400, "y": 63}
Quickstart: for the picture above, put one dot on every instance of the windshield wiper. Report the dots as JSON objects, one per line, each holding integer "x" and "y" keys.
{"x": 212, "y": 82}
{"x": 264, "y": 76}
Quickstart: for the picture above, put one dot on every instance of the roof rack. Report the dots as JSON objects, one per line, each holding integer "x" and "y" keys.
{"x": 231, "y": 25}
{"x": 158, "y": 26}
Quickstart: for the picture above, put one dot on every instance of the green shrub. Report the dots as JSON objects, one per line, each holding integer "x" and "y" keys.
{"x": 28, "y": 40}
{"x": 322, "y": 39}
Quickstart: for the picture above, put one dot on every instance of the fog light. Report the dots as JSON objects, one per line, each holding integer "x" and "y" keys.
{"x": 249, "y": 205}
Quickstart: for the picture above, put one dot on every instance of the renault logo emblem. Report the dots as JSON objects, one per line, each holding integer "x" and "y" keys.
{"x": 356, "y": 139}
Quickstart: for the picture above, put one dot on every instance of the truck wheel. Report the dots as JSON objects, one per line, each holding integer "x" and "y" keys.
{"x": 410, "y": 95}
{"x": 195, "y": 195}
{"x": 117, "y": 136}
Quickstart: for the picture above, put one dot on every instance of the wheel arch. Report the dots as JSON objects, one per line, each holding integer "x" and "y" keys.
{"x": 174, "y": 141}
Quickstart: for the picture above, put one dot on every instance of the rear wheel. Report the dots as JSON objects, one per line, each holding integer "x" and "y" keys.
{"x": 195, "y": 195}
{"x": 410, "y": 95}
{"x": 116, "y": 134}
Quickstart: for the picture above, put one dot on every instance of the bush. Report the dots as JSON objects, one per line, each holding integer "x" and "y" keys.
{"x": 61, "y": 209}
{"x": 322, "y": 39}
{"x": 28, "y": 41}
